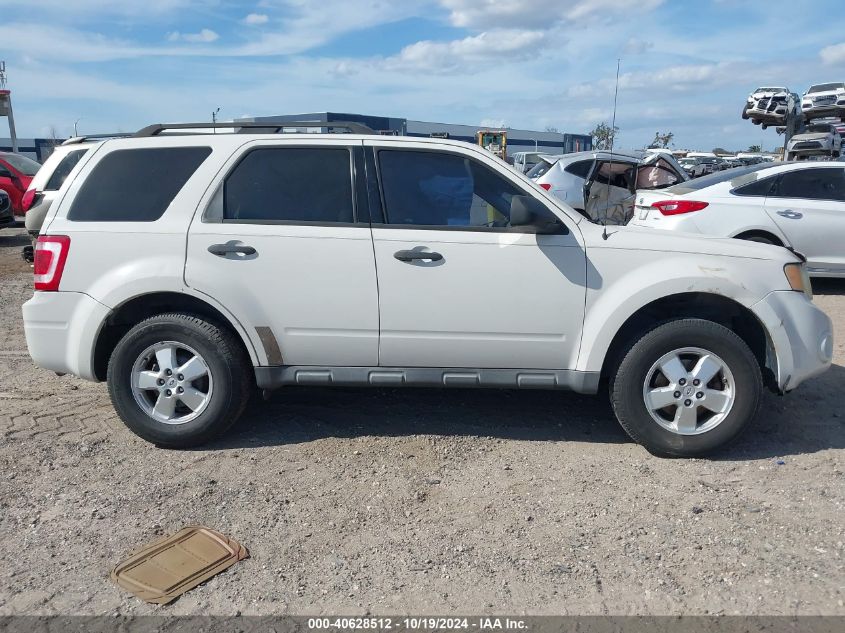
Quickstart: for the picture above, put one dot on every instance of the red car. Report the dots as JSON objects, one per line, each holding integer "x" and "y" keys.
{"x": 16, "y": 173}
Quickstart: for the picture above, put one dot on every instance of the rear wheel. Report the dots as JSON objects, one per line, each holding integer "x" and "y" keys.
{"x": 686, "y": 388}
{"x": 178, "y": 381}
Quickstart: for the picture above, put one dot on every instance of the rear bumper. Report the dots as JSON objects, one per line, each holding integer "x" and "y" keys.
{"x": 61, "y": 331}
{"x": 800, "y": 333}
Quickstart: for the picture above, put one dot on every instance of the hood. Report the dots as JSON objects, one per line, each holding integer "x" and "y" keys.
{"x": 662, "y": 241}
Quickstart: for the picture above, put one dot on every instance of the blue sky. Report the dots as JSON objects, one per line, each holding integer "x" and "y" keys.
{"x": 686, "y": 66}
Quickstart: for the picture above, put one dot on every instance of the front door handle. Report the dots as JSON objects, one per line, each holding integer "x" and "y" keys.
{"x": 221, "y": 250}
{"x": 790, "y": 214}
{"x": 409, "y": 256}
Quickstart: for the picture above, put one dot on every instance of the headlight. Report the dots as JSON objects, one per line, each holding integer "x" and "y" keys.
{"x": 799, "y": 280}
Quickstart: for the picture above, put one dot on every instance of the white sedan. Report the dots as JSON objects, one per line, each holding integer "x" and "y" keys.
{"x": 797, "y": 205}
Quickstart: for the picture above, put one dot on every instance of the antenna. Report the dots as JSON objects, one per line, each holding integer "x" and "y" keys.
{"x": 612, "y": 139}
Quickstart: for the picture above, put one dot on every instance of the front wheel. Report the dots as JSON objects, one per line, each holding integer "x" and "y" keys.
{"x": 178, "y": 381}
{"x": 686, "y": 388}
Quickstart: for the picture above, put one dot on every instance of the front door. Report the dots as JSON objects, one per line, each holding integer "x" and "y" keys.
{"x": 808, "y": 205}
{"x": 280, "y": 246}
{"x": 459, "y": 286}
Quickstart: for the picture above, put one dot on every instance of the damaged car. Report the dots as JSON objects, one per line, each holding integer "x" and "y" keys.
{"x": 602, "y": 184}
{"x": 770, "y": 106}
{"x": 823, "y": 100}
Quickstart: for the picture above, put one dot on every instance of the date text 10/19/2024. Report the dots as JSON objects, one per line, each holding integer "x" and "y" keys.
{"x": 417, "y": 624}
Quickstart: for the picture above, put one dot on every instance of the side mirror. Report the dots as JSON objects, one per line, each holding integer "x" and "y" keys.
{"x": 527, "y": 211}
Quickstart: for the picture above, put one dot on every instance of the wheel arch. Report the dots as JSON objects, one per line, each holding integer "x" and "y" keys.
{"x": 135, "y": 309}
{"x": 700, "y": 305}
{"x": 773, "y": 236}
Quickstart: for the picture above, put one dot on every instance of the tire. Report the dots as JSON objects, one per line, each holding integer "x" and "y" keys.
{"x": 217, "y": 397}
{"x": 745, "y": 111}
{"x": 740, "y": 381}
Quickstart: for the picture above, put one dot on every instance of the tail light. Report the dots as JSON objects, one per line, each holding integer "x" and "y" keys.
{"x": 28, "y": 199}
{"x": 677, "y": 207}
{"x": 50, "y": 257}
{"x": 545, "y": 186}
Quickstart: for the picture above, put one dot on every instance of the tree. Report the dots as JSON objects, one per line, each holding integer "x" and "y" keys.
{"x": 662, "y": 140}
{"x": 551, "y": 128}
{"x": 720, "y": 150}
{"x": 754, "y": 149}
{"x": 603, "y": 136}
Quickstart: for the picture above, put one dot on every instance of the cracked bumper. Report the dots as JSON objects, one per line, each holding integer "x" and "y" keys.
{"x": 800, "y": 334}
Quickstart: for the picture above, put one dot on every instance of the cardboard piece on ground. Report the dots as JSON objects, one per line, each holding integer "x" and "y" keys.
{"x": 164, "y": 570}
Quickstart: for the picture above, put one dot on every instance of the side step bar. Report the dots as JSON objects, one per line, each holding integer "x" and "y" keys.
{"x": 276, "y": 377}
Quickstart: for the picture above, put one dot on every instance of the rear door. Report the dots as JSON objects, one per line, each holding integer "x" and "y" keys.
{"x": 282, "y": 245}
{"x": 808, "y": 205}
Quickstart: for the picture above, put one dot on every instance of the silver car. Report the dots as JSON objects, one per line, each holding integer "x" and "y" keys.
{"x": 601, "y": 185}
{"x": 820, "y": 139}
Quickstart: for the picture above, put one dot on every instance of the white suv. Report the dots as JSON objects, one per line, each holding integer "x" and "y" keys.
{"x": 184, "y": 270}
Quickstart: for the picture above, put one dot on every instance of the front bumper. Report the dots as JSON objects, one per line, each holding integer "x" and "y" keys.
{"x": 800, "y": 334}
{"x": 61, "y": 331}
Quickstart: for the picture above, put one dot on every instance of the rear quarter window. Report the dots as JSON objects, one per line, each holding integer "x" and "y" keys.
{"x": 135, "y": 185}
{"x": 64, "y": 168}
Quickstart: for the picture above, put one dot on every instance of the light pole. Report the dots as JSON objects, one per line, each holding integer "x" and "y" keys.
{"x": 75, "y": 124}
{"x": 214, "y": 120}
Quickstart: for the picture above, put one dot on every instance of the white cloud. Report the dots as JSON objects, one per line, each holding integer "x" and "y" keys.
{"x": 636, "y": 46}
{"x": 498, "y": 44}
{"x": 833, "y": 55}
{"x": 256, "y": 19}
{"x": 205, "y": 36}
{"x": 480, "y": 14}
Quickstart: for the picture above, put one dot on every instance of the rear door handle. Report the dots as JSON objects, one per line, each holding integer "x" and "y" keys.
{"x": 409, "y": 256}
{"x": 221, "y": 250}
{"x": 790, "y": 214}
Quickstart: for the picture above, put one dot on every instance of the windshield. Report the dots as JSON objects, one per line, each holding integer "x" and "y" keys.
{"x": 737, "y": 176}
{"x": 825, "y": 88}
{"x": 819, "y": 127}
{"x": 770, "y": 90}
{"x": 26, "y": 166}
{"x": 542, "y": 167}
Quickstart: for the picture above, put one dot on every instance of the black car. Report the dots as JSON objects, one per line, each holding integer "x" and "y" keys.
{"x": 6, "y": 217}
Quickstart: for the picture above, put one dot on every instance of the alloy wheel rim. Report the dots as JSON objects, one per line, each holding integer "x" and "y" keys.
{"x": 689, "y": 391}
{"x": 171, "y": 382}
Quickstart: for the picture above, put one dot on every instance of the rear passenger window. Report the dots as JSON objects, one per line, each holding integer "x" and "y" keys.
{"x": 580, "y": 168}
{"x": 812, "y": 184}
{"x": 297, "y": 185}
{"x": 62, "y": 170}
{"x": 135, "y": 185}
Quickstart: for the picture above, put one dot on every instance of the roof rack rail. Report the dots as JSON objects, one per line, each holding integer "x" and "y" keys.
{"x": 254, "y": 127}
{"x": 73, "y": 140}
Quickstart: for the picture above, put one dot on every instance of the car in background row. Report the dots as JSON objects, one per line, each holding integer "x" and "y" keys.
{"x": 770, "y": 106}
{"x": 601, "y": 184}
{"x": 817, "y": 138}
{"x": 693, "y": 166}
{"x": 48, "y": 181}
{"x": 797, "y": 205}
{"x": 524, "y": 162}
{"x": 16, "y": 172}
{"x": 6, "y": 217}
{"x": 824, "y": 100}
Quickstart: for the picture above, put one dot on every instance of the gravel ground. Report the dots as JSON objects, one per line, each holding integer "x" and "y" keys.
{"x": 418, "y": 501}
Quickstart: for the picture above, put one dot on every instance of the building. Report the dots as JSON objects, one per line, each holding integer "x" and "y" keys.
{"x": 518, "y": 140}
{"x": 35, "y": 148}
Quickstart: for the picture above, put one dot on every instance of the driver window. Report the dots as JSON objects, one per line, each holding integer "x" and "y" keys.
{"x": 438, "y": 189}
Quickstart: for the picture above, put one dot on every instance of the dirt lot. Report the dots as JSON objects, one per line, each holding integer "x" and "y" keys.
{"x": 421, "y": 501}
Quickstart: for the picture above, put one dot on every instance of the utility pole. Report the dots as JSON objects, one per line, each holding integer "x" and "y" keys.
{"x": 6, "y": 106}
{"x": 214, "y": 120}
